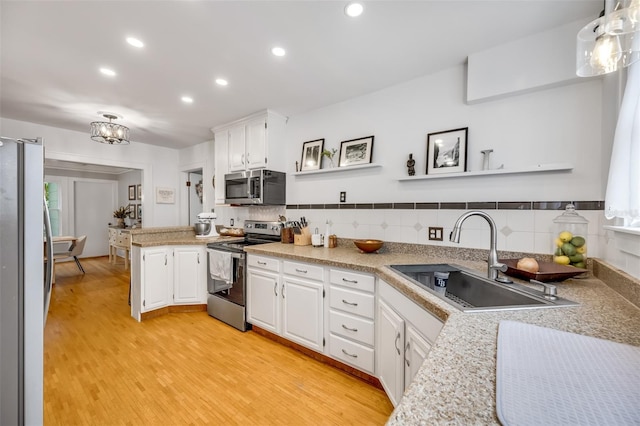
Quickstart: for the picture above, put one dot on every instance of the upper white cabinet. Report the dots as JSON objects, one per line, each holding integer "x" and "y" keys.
{"x": 253, "y": 142}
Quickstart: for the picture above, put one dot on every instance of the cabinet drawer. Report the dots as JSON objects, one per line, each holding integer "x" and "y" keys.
{"x": 355, "y": 280}
{"x": 267, "y": 263}
{"x": 352, "y": 353}
{"x": 354, "y": 302}
{"x": 304, "y": 270}
{"x": 352, "y": 327}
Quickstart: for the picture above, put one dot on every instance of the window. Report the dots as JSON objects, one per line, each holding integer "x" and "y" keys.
{"x": 53, "y": 197}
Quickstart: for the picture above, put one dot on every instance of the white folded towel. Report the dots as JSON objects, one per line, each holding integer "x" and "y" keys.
{"x": 220, "y": 265}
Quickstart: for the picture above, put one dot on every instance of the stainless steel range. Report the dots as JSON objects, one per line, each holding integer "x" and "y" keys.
{"x": 226, "y": 280}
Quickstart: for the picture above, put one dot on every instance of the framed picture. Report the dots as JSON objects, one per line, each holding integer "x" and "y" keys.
{"x": 139, "y": 192}
{"x": 447, "y": 151}
{"x": 139, "y": 217}
{"x": 311, "y": 155}
{"x": 132, "y": 192}
{"x": 133, "y": 209}
{"x": 356, "y": 151}
{"x": 165, "y": 195}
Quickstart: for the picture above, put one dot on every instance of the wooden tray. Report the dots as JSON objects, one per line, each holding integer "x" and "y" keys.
{"x": 549, "y": 271}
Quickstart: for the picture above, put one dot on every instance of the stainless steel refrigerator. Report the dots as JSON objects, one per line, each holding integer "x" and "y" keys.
{"x": 25, "y": 280}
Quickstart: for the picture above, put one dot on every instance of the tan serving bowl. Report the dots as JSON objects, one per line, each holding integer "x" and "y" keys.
{"x": 368, "y": 246}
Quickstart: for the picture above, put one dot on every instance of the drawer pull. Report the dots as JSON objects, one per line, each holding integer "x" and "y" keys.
{"x": 275, "y": 288}
{"x": 301, "y": 271}
{"x": 396, "y": 342}
{"x": 348, "y": 354}
{"x": 350, "y": 281}
{"x": 406, "y": 349}
{"x": 262, "y": 263}
{"x": 350, "y": 329}
{"x": 349, "y": 303}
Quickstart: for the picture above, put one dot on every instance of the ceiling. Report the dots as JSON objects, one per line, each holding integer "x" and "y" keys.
{"x": 51, "y": 52}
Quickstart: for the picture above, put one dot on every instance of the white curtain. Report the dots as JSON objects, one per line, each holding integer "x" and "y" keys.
{"x": 623, "y": 187}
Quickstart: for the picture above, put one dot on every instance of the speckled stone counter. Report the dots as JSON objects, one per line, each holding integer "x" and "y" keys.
{"x": 456, "y": 383}
{"x": 171, "y": 236}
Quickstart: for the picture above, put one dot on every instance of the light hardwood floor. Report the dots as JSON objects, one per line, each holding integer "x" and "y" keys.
{"x": 104, "y": 368}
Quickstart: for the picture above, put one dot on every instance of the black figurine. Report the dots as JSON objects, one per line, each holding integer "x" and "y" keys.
{"x": 410, "y": 165}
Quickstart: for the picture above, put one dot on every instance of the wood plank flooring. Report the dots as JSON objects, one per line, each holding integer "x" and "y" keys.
{"x": 104, "y": 368}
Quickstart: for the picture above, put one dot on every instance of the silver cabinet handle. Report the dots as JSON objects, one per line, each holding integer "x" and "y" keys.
{"x": 261, "y": 263}
{"x": 350, "y": 329}
{"x": 348, "y": 354}
{"x": 198, "y": 258}
{"x": 349, "y": 303}
{"x": 406, "y": 349}
{"x": 165, "y": 260}
{"x": 350, "y": 281}
{"x": 283, "y": 290}
{"x": 302, "y": 271}
{"x": 242, "y": 158}
{"x": 396, "y": 343}
{"x": 275, "y": 288}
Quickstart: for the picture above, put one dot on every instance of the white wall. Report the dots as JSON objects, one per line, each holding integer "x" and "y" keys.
{"x": 194, "y": 158}
{"x": 159, "y": 165}
{"x": 132, "y": 178}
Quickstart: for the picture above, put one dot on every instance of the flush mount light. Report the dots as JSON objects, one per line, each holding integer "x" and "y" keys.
{"x": 278, "y": 51}
{"x": 135, "y": 42}
{"x": 221, "y": 81}
{"x": 108, "y": 132}
{"x": 354, "y": 9}
{"x": 187, "y": 99}
{"x": 107, "y": 71}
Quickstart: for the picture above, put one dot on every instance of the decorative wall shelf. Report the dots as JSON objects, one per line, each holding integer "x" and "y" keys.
{"x": 540, "y": 168}
{"x": 337, "y": 169}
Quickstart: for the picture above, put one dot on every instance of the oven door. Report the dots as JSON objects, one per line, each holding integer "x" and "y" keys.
{"x": 232, "y": 291}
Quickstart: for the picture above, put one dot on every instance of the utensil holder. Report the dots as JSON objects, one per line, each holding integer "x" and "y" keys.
{"x": 286, "y": 235}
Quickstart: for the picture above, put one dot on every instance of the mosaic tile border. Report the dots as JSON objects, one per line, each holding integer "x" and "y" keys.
{"x": 474, "y": 205}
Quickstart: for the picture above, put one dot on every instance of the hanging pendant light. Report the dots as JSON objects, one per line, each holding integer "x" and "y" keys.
{"x": 610, "y": 42}
{"x": 108, "y": 132}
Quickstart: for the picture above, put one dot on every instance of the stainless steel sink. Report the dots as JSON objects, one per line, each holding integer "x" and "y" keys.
{"x": 468, "y": 291}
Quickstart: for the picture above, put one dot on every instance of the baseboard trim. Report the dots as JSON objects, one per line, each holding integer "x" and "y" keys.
{"x": 173, "y": 309}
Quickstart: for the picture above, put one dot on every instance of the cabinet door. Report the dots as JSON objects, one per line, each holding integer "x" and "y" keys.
{"x": 256, "y": 144}
{"x": 221, "y": 150}
{"x": 237, "y": 161}
{"x": 302, "y": 312}
{"x": 416, "y": 349}
{"x": 156, "y": 278}
{"x": 263, "y": 300}
{"x": 188, "y": 274}
{"x": 389, "y": 350}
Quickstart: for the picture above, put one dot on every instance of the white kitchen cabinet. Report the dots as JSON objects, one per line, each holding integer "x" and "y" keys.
{"x": 157, "y": 277}
{"x": 263, "y": 295}
{"x": 189, "y": 275}
{"x": 253, "y": 142}
{"x": 405, "y": 333}
{"x": 302, "y": 312}
{"x": 221, "y": 152}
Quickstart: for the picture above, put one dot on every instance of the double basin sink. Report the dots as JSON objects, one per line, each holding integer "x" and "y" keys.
{"x": 468, "y": 291}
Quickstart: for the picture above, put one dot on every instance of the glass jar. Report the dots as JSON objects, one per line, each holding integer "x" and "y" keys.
{"x": 570, "y": 238}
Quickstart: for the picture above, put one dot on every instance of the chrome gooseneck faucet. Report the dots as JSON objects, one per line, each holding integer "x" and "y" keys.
{"x": 493, "y": 265}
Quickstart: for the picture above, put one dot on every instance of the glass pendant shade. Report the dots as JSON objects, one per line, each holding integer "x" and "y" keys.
{"x": 108, "y": 132}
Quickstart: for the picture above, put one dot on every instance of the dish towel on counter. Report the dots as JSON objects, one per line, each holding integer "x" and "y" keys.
{"x": 220, "y": 265}
{"x": 551, "y": 377}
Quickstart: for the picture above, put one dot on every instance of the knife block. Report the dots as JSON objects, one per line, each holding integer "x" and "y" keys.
{"x": 303, "y": 238}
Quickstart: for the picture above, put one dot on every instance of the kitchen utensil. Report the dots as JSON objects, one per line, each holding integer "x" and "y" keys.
{"x": 548, "y": 271}
{"x": 368, "y": 246}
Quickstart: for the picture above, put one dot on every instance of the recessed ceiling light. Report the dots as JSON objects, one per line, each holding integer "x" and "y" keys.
{"x": 135, "y": 42}
{"x": 278, "y": 51}
{"x": 107, "y": 71}
{"x": 354, "y": 9}
{"x": 187, "y": 99}
{"x": 221, "y": 81}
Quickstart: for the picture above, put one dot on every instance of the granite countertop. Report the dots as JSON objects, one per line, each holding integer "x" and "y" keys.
{"x": 172, "y": 236}
{"x": 456, "y": 383}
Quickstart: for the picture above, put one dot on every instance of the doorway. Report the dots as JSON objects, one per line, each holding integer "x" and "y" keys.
{"x": 195, "y": 188}
{"x": 93, "y": 210}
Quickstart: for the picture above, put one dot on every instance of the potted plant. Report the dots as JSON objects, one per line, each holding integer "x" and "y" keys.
{"x": 121, "y": 213}
{"x": 329, "y": 155}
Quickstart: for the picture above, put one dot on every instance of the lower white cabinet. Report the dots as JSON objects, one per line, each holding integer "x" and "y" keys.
{"x": 167, "y": 275}
{"x": 404, "y": 337}
{"x": 302, "y": 312}
{"x": 263, "y": 299}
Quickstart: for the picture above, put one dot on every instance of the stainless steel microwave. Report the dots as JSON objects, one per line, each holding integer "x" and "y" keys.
{"x": 264, "y": 187}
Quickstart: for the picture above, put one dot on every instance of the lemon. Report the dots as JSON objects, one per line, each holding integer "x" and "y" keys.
{"x": 578, "y": 241}
{"x": 559, "y": 242}
{"x": 565, "y": 236}
{"x": 562, "y": 260}
{"x": 581, "y": 249}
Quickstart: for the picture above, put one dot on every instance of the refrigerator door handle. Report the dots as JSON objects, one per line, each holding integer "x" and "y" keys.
{"x": 48, "y": 274}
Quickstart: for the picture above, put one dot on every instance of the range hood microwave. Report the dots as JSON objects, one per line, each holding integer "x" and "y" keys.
{"x": 255, "y": 187}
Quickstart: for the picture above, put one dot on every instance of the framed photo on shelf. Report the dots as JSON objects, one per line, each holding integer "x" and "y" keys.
{"x": 311, "y": 155}
{"x": 139, "y": 191}
{"x": 356, "y": 151}
{"x": 132, "y": 192}
{"x": 447, "y": 151}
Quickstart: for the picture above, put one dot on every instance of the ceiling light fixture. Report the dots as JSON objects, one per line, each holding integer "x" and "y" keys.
{"x": 108, "y": 132}
{"x": 187, "y": 99}
{"x": 610, "y": 42}
{"x": 221, "y": 81}
{"x": 135, "y": 42}
{"x": 278, "y": 51}
{"x": 108, "y": 71}
{"x": 354, "y": 9}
